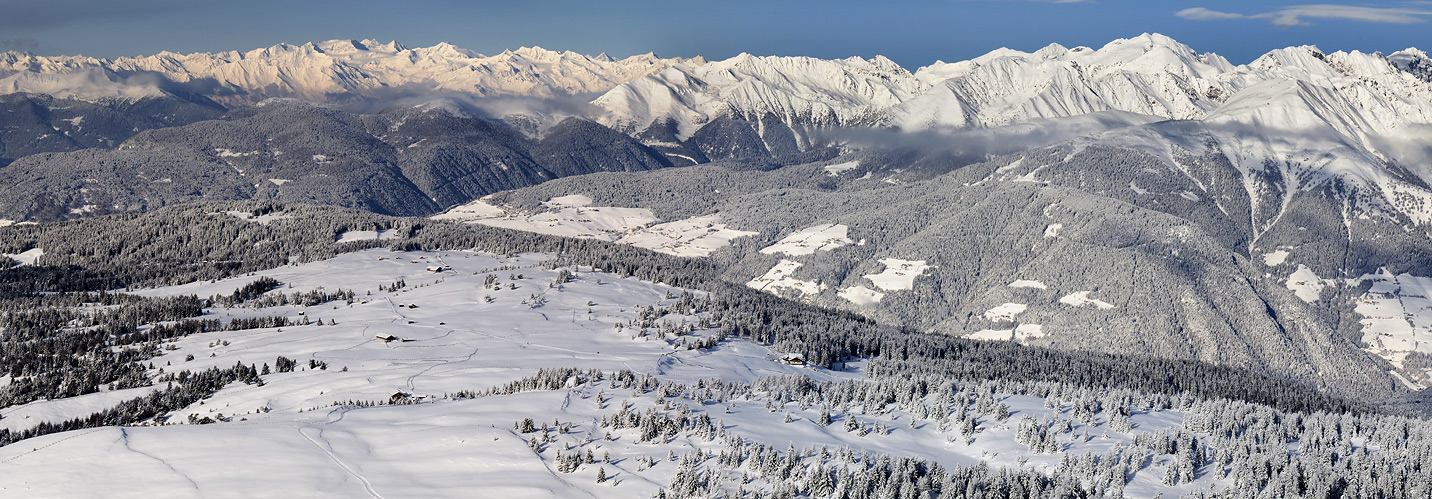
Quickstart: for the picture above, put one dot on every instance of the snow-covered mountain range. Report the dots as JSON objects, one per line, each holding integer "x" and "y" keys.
{"x": 1150, "y": 74}
{"x": 334, "y": 70}
{"x": 1374, "y": 104}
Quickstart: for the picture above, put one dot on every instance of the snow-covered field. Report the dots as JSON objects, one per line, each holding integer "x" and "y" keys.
{"x": 572, "y": 216}
{"x": 1005, "y": 313}
{"x": 861, "y": 295}
{"x": 823, "y": 237}
{"x": 1306, "y": 284}
{"x": 1275, "y": 258}
{"x": 898, "y": 274}
{"x": 1052, "y": 231}
{"x": 1025, "y": 283}
{"x": 27, "y": 257}
{"x": 21, "y": 417}
{"x": 1081, "y": 298}
{"x": 779, "y": 277}
{"x": 367, "y": 235}
{"x": 1019, "y": 333}
{"x": 1397, "y": 317}
{"x": 262, "y": 219}
{"x": 836, "y": 169}
{"x": 692, "y": 237}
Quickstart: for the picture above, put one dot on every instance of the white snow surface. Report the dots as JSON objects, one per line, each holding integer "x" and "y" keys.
{"x": 22, "y": 417}
{"x": 1024, "y": 283}
{"x": 573, "y": 216}
{"x": 1275, "y": 258}
{"x": 779, "y": 278}
{"x": 1005, "y": 313}
{"x": 261, "y": 219}
{"x": 898, "y": 274}
{"x": 1397, "y": 316}
{"x": 1020, "y": 333}
{"x": 368, "y": 235}
{"x": 836, "y": 169}
{"x": 1081, "y": 298}
{"x": 692, "y": 237}
{"x": 823, "y": 237}
{"x": 569, "y": 201}
{"x": 27, "y": 257}
{"x": 1306, "y": 284}
{"x": 1052, "y": 231}
{"x": 861, "y": 295}
{"x": 570, "y": 216}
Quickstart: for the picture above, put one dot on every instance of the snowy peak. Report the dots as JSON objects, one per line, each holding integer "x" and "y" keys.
{"x": 1306, "y": 57}
{"x": 1150, "y": 74}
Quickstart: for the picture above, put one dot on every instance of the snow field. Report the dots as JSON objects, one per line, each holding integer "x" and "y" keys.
{"x": 572, "y": 216}
{"x": 779, "y": 277}
{"x": 898, "y": 274}
{"x": 367, "y": 235}
{"x": 1397, "y": 318}
{"x": 692, "y": 237}
{"x": 1005, "y": 312}
{"x": 21, "y": 417}
{"x": 262, "y": 219}
{"x": 1306, "y": 284}
{"x": 1081, "y": 298}
{"x": 861, "y": 295}
{"x": 1023, "y": 283}
{"x": 27, "y": 257}
{"x": 837, "y": 169}
{"x": 807, "y": 241}
{"x": 1020, "y": 333}
{"x": 1275, "y": 258}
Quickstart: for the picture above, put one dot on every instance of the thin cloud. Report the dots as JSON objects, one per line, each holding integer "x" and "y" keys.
{"x": 20, "y": 44}
{"x": 1202, "y": 14}
{"x": 1300, "y": 15}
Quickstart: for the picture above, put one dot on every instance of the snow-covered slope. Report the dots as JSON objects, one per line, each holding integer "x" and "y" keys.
{"x": 340, "y": 69}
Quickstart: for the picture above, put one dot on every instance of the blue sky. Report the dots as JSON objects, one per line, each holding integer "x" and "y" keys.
{"x": 912, "y": 32}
